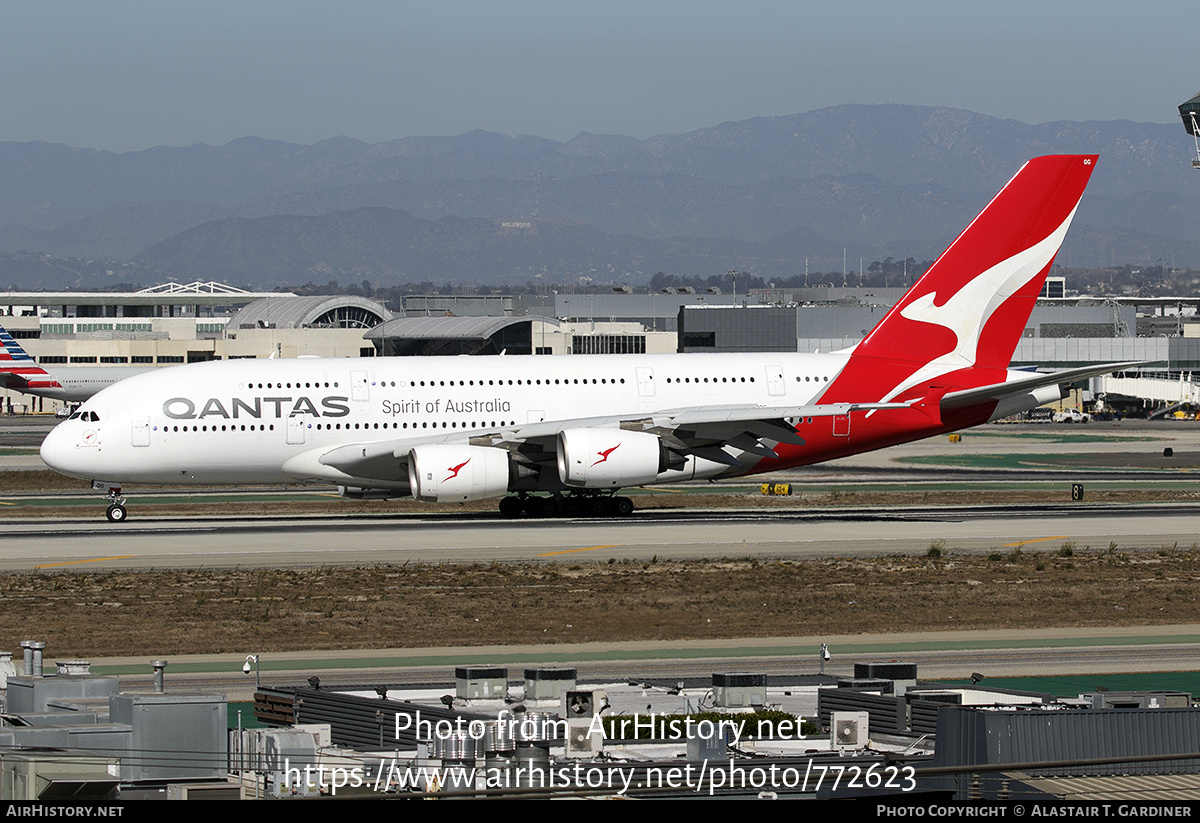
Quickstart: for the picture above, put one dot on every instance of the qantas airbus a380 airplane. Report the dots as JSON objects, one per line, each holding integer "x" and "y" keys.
{"x": 453, "y": 429}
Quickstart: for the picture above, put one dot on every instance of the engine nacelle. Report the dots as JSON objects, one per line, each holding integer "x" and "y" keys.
{"x": 456, "y": 474}
{"x": 611, "y": 458}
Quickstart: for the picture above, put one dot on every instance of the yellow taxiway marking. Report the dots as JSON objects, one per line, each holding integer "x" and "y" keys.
{"x": 573, "y": 551}
{"x": 667, "y": 491}
{"x": 93, "y": 560}
{"x": 2, "y": 503}
{"x": 1035, "y": 540}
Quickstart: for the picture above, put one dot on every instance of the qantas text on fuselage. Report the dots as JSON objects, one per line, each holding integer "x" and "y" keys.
{"x": 255, "y": 408}
{"x": 280, "y": 406}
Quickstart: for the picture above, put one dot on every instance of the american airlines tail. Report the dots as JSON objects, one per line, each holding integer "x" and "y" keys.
{"x": 958, "y": 326}
{"x": 18, "y": 370}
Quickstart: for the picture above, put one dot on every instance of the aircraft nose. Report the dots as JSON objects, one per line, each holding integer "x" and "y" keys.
{"x": 61, "y": 451}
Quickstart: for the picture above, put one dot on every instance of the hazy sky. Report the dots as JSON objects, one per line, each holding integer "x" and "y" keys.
{"x": 125, "y": 75}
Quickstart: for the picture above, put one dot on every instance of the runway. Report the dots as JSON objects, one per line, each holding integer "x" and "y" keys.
{"x": 145, "y": 541}
{"x": 89, "y": 544}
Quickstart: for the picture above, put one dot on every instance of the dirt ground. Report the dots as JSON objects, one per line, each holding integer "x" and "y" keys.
{"x": 209, "y": 611}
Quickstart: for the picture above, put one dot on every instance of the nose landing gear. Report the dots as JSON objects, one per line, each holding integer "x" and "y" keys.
{"x": 116, "y": 503}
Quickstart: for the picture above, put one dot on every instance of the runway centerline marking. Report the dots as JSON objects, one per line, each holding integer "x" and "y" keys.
{"x": 1036, "y": 540}
{"x": 573, "y": 551}
{"x": 90, "y": 560}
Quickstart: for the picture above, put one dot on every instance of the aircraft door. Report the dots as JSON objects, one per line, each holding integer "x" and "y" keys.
{"x": 296, "y": 426}
{"x": 360, "y": 391}
{"x": 141, "y": 432}
{"x": 645, "y": 381}
{"x": 776, "y": 387}
{"x": 841, "y": 425}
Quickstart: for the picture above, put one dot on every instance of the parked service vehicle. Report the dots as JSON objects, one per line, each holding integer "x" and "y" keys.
{"x": 1071, "y": 416}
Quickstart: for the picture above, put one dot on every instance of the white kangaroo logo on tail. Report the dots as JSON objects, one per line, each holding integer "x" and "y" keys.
{"x": 967, "y": 312}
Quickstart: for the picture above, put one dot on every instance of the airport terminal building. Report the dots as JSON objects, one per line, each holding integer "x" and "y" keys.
{"x": 174, "y": 324}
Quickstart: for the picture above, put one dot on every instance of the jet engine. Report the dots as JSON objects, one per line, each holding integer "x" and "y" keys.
{"x": 456, "y": 474}
{"x": 612, "y": 458}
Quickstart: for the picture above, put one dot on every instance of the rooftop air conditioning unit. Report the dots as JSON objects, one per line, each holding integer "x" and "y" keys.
{"x": 848, "y": 730}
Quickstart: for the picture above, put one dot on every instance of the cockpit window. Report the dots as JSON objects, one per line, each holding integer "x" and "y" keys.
{"x": 75, "y": 416}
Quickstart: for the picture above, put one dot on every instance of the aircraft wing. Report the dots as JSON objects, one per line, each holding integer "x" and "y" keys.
{"x": 702, "y": 431}
{"x": 698, "y": 417}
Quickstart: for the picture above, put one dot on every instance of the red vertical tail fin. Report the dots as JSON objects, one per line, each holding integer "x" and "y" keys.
{"x": 961, "y": 321}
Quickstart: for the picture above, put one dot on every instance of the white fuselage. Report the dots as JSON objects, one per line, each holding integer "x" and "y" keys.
{"x": 241, "y": 422}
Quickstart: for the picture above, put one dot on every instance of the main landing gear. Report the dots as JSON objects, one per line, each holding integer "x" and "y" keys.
{"x": 573, "y": 504}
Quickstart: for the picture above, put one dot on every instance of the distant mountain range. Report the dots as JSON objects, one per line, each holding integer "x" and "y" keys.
{"x": 762, "y": 195}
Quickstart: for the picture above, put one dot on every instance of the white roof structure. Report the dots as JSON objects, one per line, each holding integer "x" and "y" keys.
{"x": 341, "y": 311}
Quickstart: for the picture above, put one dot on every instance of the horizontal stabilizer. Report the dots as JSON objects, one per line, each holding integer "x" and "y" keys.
{"x": 1029, "y": 381}
{"x": 8, "y": 380}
